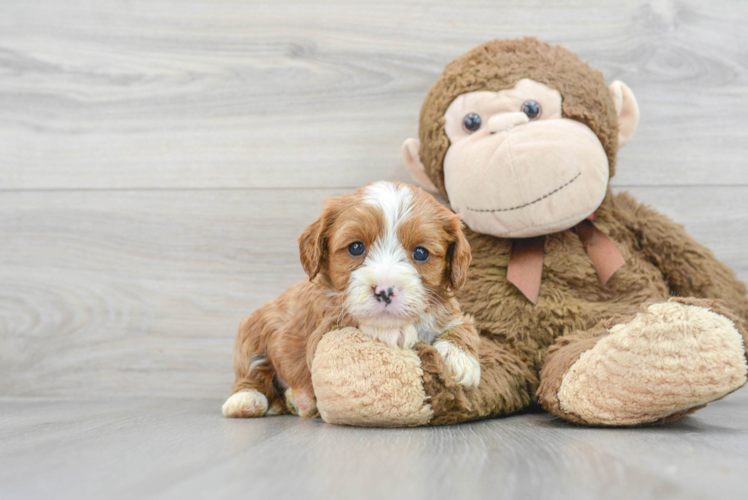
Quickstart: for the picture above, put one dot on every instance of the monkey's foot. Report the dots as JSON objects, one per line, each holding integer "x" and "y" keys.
{"x": 669, "y": 360}
{"x": 360, "y": 381}
{"x": 246, "y": 404}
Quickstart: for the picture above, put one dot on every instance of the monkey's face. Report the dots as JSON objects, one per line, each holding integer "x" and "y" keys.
{"x": 521, "y": 157}
{"x": 515, "y": 167}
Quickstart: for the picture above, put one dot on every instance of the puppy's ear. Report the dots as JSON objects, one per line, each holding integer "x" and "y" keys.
{"x": 313, "y": 243}
{"x": 458, "y": 255}
{"x": 310, "y": 249}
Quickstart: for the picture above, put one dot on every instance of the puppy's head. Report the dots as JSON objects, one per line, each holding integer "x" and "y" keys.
{"x": 390, "y": 249}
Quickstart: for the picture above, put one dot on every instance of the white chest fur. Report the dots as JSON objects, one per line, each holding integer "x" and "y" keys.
{"x": 426, "y": 329}
{"x": 404, "y": 336}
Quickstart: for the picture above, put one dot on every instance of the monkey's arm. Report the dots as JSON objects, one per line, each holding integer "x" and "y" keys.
{"x": 690, "y": 268}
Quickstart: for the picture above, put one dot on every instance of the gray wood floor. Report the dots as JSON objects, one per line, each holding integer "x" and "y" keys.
{"x": 172, "y": 448}
{"x": 158, "y": 160}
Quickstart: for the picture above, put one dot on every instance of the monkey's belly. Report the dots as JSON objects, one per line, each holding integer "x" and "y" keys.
{"x": 571, "y": 295}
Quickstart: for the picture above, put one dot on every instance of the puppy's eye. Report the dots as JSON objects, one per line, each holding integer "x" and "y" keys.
{"x": 420, "y": 254}
{"x": 532, "y": 109}
{"x": 356, "y": 249}
{"x": 471, "y": 122}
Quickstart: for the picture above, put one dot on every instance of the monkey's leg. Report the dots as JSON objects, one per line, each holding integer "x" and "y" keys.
{"x": 506, "y": 385}
{"x": 359, "y": 381}
{"x": 654, "y": 366}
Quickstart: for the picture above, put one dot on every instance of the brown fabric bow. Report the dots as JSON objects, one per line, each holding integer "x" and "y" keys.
{"x": 526, "y": 259}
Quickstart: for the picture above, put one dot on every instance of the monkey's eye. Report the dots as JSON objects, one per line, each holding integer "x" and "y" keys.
{"x": 420, "y": 254}
{"x": 356, "y": 249}
{"x": 532, "y": 109}
{"x": 471, "y": 122}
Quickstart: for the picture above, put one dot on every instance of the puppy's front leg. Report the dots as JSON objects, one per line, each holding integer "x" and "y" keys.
{"x": 459, "y": 348}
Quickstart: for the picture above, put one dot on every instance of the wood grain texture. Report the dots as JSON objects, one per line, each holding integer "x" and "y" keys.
{"x": 158, "y": 160}
{"x": 239, "y": 93}
{"x": 140, "y": 292}
{"x": 182, "y": 449}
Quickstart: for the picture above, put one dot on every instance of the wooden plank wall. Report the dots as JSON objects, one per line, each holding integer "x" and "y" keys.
{"x": 159, "y": 158}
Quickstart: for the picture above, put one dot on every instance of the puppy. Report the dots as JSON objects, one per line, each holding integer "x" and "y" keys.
{"x": 386, "y": 259}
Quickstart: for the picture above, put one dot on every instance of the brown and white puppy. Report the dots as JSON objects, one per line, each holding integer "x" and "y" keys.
{"x": 386, "y": 259}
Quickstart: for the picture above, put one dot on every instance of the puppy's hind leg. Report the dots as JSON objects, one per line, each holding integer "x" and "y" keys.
{"x": 254, "y": 392}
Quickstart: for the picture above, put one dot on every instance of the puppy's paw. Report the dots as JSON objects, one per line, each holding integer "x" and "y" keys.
{"x": 246, "y": 404}
{"x": 464, "y": 367}
{"x": 299, "y": 403}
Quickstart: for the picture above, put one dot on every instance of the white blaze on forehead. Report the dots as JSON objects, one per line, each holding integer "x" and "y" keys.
{"x": 395, "y": 201}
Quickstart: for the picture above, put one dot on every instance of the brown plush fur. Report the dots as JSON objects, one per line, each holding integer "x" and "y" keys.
{"x": 574, "y": 309}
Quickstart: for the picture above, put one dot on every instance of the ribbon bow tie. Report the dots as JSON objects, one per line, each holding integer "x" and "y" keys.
{"x": 526, "y": 259}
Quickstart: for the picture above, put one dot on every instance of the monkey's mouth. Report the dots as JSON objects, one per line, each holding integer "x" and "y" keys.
{"x": 509, "y": 209}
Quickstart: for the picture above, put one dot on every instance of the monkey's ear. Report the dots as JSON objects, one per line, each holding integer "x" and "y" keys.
{"x": 627, "y": 110}
{"x": 312, "y": 245}
{"x": 411, "y": 149}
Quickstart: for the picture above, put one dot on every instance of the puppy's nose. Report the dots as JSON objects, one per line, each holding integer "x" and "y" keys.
{"x": 384, "y": 293}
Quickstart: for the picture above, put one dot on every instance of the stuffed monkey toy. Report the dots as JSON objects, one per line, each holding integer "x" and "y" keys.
{"x": 588, "y": 303}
